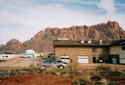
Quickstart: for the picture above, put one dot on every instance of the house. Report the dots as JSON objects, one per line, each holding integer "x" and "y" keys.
{"x": 89, "y": 51}
{"x": 81, "y": 51}
{"x": 29, "y": 53}
{"x": 117, "y": 52}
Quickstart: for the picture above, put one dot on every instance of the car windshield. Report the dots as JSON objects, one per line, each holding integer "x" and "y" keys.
{"x": 59, "y": 61}
{"x": 48, "y": 61}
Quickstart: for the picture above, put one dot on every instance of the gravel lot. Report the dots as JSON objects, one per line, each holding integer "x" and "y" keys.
{"x": 19, "y": 62}
{"x": 26, "y": 62}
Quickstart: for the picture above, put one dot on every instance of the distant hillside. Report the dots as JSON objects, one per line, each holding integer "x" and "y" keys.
{"x": 42, "y": 41}
{"x": 12, "y": 46}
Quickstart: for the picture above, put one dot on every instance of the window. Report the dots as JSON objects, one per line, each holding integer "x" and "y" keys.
{"x": 123, "y": 47}
{"x": 94, "y": 59}
{"x": 94, "y": 49}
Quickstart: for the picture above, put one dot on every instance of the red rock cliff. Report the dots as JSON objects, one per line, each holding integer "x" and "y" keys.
{"x": 42, "y": 41}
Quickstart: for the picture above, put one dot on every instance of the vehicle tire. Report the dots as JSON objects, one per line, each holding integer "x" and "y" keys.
{"x": 61, "y": 66}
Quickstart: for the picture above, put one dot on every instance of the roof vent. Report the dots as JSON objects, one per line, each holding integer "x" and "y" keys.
{"x": 90, "y": 41}
{"x": 82, "y": 41}
{"x": 100, "y": 41}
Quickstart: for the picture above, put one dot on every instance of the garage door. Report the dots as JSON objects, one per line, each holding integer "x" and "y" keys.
{"x": 83, "y": 59}
{"x": 65, "y": 59}
{"x": 122, "y": 59}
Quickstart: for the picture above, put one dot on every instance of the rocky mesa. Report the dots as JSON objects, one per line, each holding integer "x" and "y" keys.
{"x": 43, "y": 40}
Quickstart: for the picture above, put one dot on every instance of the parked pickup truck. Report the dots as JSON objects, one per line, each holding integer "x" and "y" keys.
{"x": 50, "y": 63}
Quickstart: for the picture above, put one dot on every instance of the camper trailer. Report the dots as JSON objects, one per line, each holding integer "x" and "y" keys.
{"x": 4, "y": 57}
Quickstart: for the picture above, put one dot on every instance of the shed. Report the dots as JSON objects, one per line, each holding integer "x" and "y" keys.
{"x": 29, "y": 53}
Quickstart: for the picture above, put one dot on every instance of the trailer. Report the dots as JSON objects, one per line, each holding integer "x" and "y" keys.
{"x": 4, "y": 57}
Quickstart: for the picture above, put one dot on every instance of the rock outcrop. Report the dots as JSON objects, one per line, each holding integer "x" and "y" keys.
{"x": 43, "y": 40}
{"x": 12, "y": 46}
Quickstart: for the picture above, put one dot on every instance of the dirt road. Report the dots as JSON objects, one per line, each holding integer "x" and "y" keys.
{"x": 19, "y": 62}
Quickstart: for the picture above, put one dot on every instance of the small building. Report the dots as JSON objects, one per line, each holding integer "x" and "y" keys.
{"x": 90, "y": 51}
{"x": 29, "y": 53}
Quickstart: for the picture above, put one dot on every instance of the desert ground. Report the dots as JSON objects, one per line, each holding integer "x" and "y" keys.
{"x": 23, "y": 71}
{"x": 18, "y": 63}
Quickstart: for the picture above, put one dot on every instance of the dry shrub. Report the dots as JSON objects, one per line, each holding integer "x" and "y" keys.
{"x": 32, "y": 65}
{"x": 95, "y": 78}
{"x": 51, "y": 70}
{"x": 104, "y": 68}
{"x": 80, "y": 81}
{"x": 74, "y": 68}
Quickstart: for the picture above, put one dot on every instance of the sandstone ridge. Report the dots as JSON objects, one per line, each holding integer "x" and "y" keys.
{"x": 42, "y": 41}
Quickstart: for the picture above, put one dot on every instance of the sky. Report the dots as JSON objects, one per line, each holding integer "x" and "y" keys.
{"x": 22, "y": 19}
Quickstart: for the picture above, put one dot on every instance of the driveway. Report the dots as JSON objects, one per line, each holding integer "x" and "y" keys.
{"x": 19, "y": 62}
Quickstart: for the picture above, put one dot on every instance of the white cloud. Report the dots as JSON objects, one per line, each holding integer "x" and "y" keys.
{"x": 77, "y": 2}
{"x": 28, "y": 20}
{"x": 120, "y": 4}
{"x": 108, "y": 6}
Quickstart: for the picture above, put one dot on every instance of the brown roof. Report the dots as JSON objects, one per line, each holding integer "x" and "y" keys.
{"x": 118, "y": 42}
{"x": 93, "y": 43}
{"x": 78, "y": 43}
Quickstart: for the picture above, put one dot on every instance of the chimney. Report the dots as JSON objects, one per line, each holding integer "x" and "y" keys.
{"x": 82, "y": 41}
{"x": 100, "y": 41}
{"x": 90, "y": 41}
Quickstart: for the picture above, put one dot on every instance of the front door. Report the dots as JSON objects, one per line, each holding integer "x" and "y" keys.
{"x": 115, "y": 59}
{"x": 94, "y": 59}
